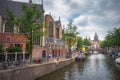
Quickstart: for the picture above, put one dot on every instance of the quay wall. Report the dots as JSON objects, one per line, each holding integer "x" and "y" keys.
{"x": 33, "y": 72}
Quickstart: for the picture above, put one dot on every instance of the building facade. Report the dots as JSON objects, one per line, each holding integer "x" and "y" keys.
{"x": 51, "y": 43}
{"x": 10, "y": 34}
{"x": 95, "y": 44}
{"x": 54, "y": 37}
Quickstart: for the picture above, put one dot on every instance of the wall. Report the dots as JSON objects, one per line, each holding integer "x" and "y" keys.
{"x": 48, "y": 19}
{"x": 37, "y": 52}
{"x": 32, "y": 72}
{"x": 14, "y": 39}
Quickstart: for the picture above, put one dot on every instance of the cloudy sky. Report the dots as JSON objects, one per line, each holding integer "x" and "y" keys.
{"x": 90, "y": 16}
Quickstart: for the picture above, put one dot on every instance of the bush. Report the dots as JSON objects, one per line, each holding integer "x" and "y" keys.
{"x": 15, "y": 49}
{"x": 1, "y": 51}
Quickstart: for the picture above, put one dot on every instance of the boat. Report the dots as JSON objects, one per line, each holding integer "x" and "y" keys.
{"x": 117, "y": 60}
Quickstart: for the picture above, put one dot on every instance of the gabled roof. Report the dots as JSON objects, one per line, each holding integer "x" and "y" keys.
{"x": 48, "y": 16}
{"x": 15, "y": 6}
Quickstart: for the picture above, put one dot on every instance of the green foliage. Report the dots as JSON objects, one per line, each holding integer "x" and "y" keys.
{"x": 30, "y": 23}
{"x": 102, "y": 44}
{"x": 11, "y": 17}
{"x": 80, "y": 42}
{"x": 28, "y": 47}
{"x": 112, "y": 39}
{"x": 86, "y": 42}
{"x": 15, "y": 49}
{"x": 71, "y": 34}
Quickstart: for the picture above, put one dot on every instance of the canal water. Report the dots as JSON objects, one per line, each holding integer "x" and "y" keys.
{"x": 96, "y": 67}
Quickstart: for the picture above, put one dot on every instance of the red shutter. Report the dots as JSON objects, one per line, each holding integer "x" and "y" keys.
{"x": 8, "y": 39}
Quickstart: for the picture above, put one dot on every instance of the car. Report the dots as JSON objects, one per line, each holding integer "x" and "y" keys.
{"x": 117, "y": 60}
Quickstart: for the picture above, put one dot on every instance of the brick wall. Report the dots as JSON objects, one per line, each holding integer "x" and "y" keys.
{"x": 9, "y": 39}
{"x": 37, "y": 52}
{"x": 48, "y": 19}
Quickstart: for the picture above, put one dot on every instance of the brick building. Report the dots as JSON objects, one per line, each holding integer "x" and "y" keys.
{"x": 11, "y": 40}
{"x": 9, "y": 34}
{"x": 54, "y": 37}
{"x": 52, "y": 42}
{"x": 95, "y": 44}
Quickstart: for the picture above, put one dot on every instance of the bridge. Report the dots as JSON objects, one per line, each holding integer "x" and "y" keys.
{"x": 92, "y": 49}
{"x": 95, "y": 50}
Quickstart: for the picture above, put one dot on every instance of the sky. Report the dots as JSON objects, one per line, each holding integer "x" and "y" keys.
{"x": 90, "y": 16}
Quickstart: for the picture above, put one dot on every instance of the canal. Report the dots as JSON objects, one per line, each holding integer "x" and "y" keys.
{"x": 96, "y": 67}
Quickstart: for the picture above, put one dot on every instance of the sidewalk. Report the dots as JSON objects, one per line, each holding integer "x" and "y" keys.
{"x": 50, "y": 60}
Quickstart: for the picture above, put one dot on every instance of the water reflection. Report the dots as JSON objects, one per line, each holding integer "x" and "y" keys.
{"x": 96, "y": 67}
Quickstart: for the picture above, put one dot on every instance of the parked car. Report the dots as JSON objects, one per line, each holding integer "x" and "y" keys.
{"x": 117, "y": 60}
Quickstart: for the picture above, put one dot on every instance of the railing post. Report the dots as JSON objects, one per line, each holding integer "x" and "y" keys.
{"x": 23, "y": 56}
{"x": 6, "y": 56}
{"x": 15, "y": 56}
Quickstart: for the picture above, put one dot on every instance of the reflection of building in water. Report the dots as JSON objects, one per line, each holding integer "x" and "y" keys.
{"x": 96, "y": 42}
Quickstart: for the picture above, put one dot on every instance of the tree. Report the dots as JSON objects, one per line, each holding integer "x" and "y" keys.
{"x": 102, "y": 44}
{"x": 112, "y": 38}
{"x": 116, "y": 36}
{"x": 86, "y": 42}
{"x": 71, "y": 35}
{"x": 29, "y": 23}
{"x": 80, "y": 42}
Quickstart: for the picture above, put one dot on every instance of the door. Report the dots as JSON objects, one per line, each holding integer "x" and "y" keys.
{"x": 44, "y": 54}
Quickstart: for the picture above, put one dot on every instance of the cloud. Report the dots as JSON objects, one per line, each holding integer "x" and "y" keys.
{"x": 21, "y": 0}
{"x": 89, "y": 16}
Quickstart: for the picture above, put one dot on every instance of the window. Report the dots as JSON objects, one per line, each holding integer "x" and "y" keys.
{"x": 11, "y": 45}
{"x": 51, "y": 29}
{"x": 8, "y": 39}
{"x": 17, "y": 45}
{"x": 9, "y": 27}
{"x": 22, "y": 29}
{"x": 37, "y": 41}
{"x": 57, "y": 32}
